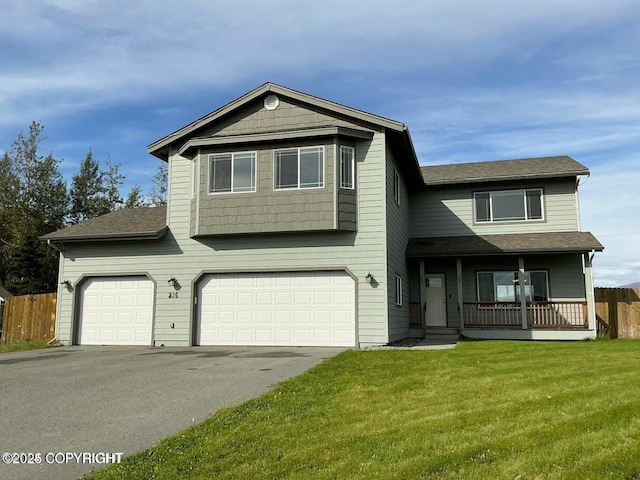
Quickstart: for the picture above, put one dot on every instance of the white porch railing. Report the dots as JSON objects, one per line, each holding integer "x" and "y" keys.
{"x": 539, "y": 314}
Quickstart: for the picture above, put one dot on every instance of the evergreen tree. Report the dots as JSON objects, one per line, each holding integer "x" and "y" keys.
{"x": 8, "y": 196}
{"x": 112, "y": 183}
{"x": 135, "y": 198}
{"x": 158, "y": 194}
{"x": 87, "y": 192}
{"x": 35, "y": 204}
{"x": 95, "y": 192}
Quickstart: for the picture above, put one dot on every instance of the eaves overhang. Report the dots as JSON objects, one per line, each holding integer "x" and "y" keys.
{"x": 121, "y": 237}
{"x": 503, "y": 244}
{"x": 273, "y": 137}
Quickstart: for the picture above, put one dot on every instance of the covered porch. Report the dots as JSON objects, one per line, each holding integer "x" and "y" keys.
{"x": 511, "y": 286}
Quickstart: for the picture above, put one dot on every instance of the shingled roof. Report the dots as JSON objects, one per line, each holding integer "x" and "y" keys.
{"x": 4, "y": 293}
{"x": 513, "y": 244}
{"x": 125, "y": 224}
{"x": 525, "y": 168}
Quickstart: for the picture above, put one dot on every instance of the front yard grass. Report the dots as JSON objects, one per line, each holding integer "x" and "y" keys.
{"x": 490, "y": 409}
{"x": 20, "y": 346}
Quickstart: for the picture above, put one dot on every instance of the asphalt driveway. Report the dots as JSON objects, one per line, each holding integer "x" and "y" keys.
{"x": 109, "y": 400}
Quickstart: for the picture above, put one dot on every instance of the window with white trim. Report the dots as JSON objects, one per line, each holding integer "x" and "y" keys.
{"x": 232, "y": 172}
{"x": 398, "y": 290}
{"x": 504, "y": 286}
{"x": 299, "y": 168}
{"x": 194, "y": 177}
{"x": 508, "y": 205}
{"x": 347, "y": 167}
{"x": 396, "y": 186}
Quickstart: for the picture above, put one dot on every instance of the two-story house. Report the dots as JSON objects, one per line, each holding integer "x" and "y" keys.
{"x": 293, "y": 220}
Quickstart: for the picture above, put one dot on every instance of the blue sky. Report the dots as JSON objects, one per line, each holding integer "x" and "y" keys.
{"x": 472, "y": 80}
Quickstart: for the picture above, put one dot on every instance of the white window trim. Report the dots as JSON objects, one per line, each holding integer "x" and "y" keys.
{"x": 524, "y": 192}
{"x": 352, "y": 166}
{"x": 324, "y": 161}
{"x": 396, "y": 186}
{"x": 194, "y": 177}
{"x": 233, "y": 154}
{"x": 399, "y": 292}
{"x": 546, "y": 273}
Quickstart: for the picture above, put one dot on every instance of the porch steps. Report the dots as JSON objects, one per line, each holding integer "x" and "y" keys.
{"x": 439, "y": 338}
{"x": 429, "y": 331}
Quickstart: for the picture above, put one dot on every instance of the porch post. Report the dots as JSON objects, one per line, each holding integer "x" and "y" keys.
{"x": 588, "y": 286}
{"x": 523, "y": 291}
{"x": 460, "y": 296}
{"x": 422, "y": 295}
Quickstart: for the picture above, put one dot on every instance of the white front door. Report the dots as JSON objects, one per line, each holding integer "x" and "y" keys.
{"x": 284, "y": 308}
{"x": 436, "y": 300}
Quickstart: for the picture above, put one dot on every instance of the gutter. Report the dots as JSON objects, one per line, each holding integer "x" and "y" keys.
{"x": 54, "y": 246}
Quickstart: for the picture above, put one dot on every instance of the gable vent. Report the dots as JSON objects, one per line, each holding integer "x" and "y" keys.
{"x": 271, "y": 102}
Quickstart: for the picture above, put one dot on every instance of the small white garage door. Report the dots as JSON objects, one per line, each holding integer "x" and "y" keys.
{"x": 293, "y": 308}
{"x": 116, "y": 311}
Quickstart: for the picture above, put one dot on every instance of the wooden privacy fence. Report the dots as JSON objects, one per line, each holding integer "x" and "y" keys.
{"x": 29, "y": 317}
{"x": 618, "y": 312}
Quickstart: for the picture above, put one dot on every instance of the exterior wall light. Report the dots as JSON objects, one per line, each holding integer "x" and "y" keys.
{"x": 66, "y": 283}
{"x": 369, "y": 278}
{"x": 172, "y": 281}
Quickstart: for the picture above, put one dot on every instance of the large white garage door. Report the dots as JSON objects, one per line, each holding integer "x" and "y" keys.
{"x": 116, "y": 311}
{"x": 293, "y": 308}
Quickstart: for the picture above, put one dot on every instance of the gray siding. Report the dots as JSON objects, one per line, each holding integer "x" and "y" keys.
{"x": 186, "y": 258}
{"x": 193, "y": 227}
{"x": 268, "y": 210}
{"x": 290, "y": 115}
{"x": 397, "y": 220}
{"x": 347, "y": 210}
{"x": 448, "y": 211}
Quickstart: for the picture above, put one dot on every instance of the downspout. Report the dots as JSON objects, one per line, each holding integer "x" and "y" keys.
{"x": 61, "y": 252}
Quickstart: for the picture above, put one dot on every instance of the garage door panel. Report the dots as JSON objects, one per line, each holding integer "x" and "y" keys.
{"x": 116, "y": 311}
{"x": 294, "y": 308}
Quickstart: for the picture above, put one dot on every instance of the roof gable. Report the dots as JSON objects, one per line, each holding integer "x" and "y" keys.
{"x": 250, "y": 105}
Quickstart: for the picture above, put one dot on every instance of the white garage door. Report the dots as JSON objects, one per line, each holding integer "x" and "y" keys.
{"x": 116, "y": 311}
{"x": 293, "y": 308}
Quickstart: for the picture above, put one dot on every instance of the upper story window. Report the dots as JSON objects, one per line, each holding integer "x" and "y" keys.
{"x": 505, "y": 286}
{"x": 347, "y": 167}
{"x": 299, "y": 168}
{"x": 232, "y": 172}
{"x": 396, "y": 186}
{"x": 508, "y": 205}
{"x": 399, "y": 290}
{"x": 194, "y": 177}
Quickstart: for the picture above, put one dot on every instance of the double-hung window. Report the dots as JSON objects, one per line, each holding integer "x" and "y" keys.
{"x": 396, "y": 186}
{"x": 508, "y": 205}
{"x": 504, "y": 286}
{"x": 299, "y": 168}
{"x": 232, "y": 172}
{"x": 399, "y": 290}
{"x": 347, "y": 167}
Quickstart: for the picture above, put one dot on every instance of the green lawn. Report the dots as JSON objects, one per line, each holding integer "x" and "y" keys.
{"x": 485, "y": 410}
{"x": 20, "y": 346}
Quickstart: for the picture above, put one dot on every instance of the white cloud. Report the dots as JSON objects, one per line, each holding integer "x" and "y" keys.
{"x": 92, "y": 53}
{"x": 472, "y": 80}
